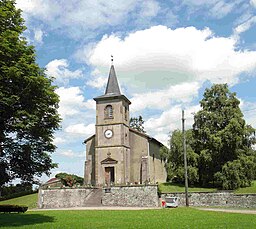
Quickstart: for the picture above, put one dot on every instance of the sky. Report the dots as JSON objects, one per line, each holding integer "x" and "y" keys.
{"x": 166, "y": 53}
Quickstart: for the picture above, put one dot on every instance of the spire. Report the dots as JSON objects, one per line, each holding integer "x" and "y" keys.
{"x": 112, "y": 86}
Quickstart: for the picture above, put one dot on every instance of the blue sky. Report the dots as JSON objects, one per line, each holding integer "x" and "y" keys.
{"x": 165, "y": 54}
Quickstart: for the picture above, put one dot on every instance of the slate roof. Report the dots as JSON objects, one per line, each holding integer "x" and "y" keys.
{"x": 112, "y": 86}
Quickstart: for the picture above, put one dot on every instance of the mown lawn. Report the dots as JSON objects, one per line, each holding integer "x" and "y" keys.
{"x": 247, "y": 190}
{"x": 163, "y": 218}
{"x": 170, "y": 187}
{"x": 28, "y": 200}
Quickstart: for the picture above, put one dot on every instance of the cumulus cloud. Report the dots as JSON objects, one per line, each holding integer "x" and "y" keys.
{"x": 71, "y": 154}
{"x": 81, "y": 128}
{"x": 72, "y": 101}
{"x": 58, "y": 69}
{"x": 169, "y": 121}
{"x": 78, "y": 16}
{"x": 159, "y": 56}
{"x": 184, "y": 92}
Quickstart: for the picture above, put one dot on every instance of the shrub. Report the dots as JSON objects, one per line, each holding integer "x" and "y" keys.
{"x": 13, "y": 208}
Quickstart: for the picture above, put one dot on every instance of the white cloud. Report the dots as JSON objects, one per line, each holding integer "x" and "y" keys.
{"x": 70, "y": 153}
{"x": 246, "y": 25}
{"x": 72, "y": 101}
{"x": 58, "y": 140}
{"x": 249, "y": 110}
{"x": 162, "y": 99}
{"x": 38, "y": 35}
{"x": 97, "y": 82}
{"x": 159, "y": 56}
{"x": 149, "y": 8}
{"x": 213, "y": 8}
{"x": 81, "y": 129}
{"x": 59, "y": 70}
{"x": 169, "y": 121}
{"x": 253, "y": 3}
{"x": 79, "y": 16}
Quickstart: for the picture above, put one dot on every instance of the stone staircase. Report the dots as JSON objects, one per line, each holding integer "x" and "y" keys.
{"x": 94, "y": 198}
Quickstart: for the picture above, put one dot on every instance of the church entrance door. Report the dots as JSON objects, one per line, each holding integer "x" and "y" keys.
{"x": 109, "y": 175}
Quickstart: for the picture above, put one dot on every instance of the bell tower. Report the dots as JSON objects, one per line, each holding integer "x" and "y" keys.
{"x": 112, "y": 144}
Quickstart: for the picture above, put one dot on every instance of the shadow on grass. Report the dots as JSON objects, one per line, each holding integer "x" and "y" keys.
{"x": 20, "y": 219}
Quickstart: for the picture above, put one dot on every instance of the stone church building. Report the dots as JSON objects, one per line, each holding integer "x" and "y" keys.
{"x": 116, "y": 153}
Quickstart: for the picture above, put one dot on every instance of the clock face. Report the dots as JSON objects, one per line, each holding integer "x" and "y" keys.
{"x": 108, "y": 133}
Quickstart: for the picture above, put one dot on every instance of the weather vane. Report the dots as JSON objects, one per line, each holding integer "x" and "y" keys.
{"x": 112, "y": 59}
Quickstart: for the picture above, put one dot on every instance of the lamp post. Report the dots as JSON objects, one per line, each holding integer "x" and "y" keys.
{"x": 185, "y": 158}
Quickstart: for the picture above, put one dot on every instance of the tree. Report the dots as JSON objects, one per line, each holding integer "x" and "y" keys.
{"x": 70, "y": 179}
{"x": 175, "y": 158}
{"x": 28, "y": 104}
{"x": 137, "y": 124}
{"x": 223, "y": 141}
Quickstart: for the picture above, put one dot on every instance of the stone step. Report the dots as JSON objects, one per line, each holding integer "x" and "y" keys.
{"x": 94, "y": 199}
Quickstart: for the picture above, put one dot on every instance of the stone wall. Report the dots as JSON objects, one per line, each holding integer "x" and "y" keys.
{"x": 224, "y": 199}
{"x": 131, "y": 196}
{"x": 63, "y": 198}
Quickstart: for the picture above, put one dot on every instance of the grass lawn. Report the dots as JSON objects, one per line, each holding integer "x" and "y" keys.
{"x": 163, "y": 218}
{"x": 170, "y": 187}
{"x": 28, "y": 200}
{"x": 247, "y": 190}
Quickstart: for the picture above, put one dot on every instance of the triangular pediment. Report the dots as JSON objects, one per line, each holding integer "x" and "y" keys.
{"x": 109, "y": 160}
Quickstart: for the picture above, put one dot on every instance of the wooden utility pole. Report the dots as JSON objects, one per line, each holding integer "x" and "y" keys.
{"x": 185, "y": 158}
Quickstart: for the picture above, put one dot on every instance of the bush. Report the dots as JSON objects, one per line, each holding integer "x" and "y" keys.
{"x": 13, "y": 208}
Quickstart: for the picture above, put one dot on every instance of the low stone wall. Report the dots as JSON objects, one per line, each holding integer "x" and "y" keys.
{"x": 131, "y": 196}
{"x": 223, "y": 199}
{"x": 63, "y": 198}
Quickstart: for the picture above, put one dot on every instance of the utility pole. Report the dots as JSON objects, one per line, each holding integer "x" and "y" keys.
{"x": 185, "y": 158}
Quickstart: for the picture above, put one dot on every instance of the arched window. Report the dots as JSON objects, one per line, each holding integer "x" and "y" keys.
{"x": 108, "y": 111}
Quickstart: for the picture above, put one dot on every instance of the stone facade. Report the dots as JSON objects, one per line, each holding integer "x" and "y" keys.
{"x": 117, "y": 154}
{"x": 222, "y": 199}
{"x": 131, "y": 196}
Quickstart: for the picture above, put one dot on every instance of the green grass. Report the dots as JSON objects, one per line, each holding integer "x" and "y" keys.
{"x": 170, "y": 187}
{"x": 247, "y": 190}
{"x": 28, "y": 200}
{"x": 163, "y": 218}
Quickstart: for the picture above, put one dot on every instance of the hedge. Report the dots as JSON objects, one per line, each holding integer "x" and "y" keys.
{"x": 13, "y": 208}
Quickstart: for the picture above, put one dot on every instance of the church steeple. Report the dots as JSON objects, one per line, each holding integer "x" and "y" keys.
{"x": 112, "y": 86}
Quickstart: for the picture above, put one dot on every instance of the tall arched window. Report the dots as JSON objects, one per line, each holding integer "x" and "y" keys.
{"x": 108, "y": 111}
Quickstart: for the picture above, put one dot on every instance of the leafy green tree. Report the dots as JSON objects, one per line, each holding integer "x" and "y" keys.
{"x": 137, "y": 124}
{"x": 223, "y": 141}
{"x": 28, "y": 104}
{"x": 69, "y": 179}
{"x": 175, "y": 158}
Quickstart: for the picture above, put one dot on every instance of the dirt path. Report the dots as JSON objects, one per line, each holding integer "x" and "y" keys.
{"x": 229, "y": 210}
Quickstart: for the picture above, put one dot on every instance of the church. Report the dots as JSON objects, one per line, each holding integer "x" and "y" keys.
{"x": 117, "y": 154}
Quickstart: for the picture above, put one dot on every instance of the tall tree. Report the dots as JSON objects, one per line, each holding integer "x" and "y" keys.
{"x": 175, "y": 158}
{"x": 28, "y": 104}
{"x": 221, "y": 138}
{"x": 137, "y": 124}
